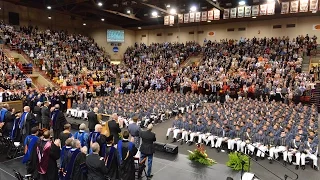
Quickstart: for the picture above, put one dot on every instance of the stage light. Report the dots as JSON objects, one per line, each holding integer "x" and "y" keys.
{"x": 48, "y": 7}
{"x": 154, "y": 13}
{"x": 193, "y": 8}
{"x": 254, "y": 17}
{"x": 128, "y": 11}
{"x": 270, "y": 1}
{"x": 241, "y": 3}
{"x": 100, "y": 4}
{"x": 168, "y": 5}
{"x": 102, "y": 19}
{"x": 208, "y": 21}
{"x": 173, "y": 11}
{"x": 49, "y": 17}
{"x": 139, "y": 27}
{"x": 84, "y": 24}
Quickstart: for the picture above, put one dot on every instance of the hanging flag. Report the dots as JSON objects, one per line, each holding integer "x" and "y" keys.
{"x": 166, "y": 20}
{"x": 255, "y": 10}
{"x": 285, "y": 7}
{"x": 247, "y": 11}
{"x": 241, "y": 12}
{"x": 191, "y": 17}
{"x": 313, "y": 5}
{"x": 210, "y": 15}
{"x": 216, "y": 14}
{"x": 226, "y": 13}
{"x": 186, "y": 18}
{"x": 263, "y": 9}
{"x": 198, "y": 16}
{"x": 294, "y": 6}
{"x": 270, "y": 8}
{"x": 171, "y": 20}
{"x": 204, "y": 16}
{"x": 304, "y": 5}
{"x": 233, "y": 13}
{"x": 180, "y": 18}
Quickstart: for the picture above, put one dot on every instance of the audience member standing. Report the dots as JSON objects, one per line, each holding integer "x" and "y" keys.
{"x": 93, "y": 119}
{"x": 95, "y": 164}
{"x": 45, "y": 115}
{"x": 114, "y": 128}
{"x": 147, "y": 148}
{"x": 134, "y": 131}
{"x": 58, "y": 121}
{"x": 37, "y": 112}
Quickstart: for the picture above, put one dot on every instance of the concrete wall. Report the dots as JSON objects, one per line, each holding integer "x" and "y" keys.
{"x": 304, "y": 25}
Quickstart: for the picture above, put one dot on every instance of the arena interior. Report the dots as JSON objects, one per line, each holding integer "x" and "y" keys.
{"x": 227, "y": 76}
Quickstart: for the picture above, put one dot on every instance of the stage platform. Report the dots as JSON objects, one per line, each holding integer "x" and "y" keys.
{"x": 165, "y": 167}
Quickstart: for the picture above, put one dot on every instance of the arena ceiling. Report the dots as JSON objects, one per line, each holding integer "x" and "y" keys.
{"x": 137, "y": 13}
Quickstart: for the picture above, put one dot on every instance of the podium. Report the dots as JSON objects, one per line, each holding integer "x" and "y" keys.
{"x": 104, "y": 118}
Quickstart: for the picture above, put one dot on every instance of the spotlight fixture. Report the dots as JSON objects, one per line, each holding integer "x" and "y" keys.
{"x": 208, "y": 21}
{"x": 173, "y": 11}
{"x": 139, "y": 27}
{"x": 168, "y": 5}
{"x": 154, "y": 13}
{"x": 254, "y": 17}
{"x": 48, "y": 7}
{"x": 84, "y": 24}
{"x": 100, "y": 4}
{"x": 193, "y": 8}
{"x": 102, "y": 19}
{"x": 49, "y": 17}
{"x": 241, "y": 3}
{"x": 128, "y": 11}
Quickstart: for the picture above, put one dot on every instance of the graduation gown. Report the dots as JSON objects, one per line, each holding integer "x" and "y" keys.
{"x": 111, "y": 160}
{"x": 30, "y": 158}
{"x": 50, "y": 153}
{"x": 75, "y": 165}
{"x": 127, "y": 151}
{"x": 58, "y": 121}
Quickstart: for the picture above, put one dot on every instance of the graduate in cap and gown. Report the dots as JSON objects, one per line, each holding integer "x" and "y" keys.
{"x": 48, "y": 153}
{"x": 30, "y": 157}
{"x": 74, "y": 163}
{"x": 58, "y": 121}
{"x": 111, "y": 158}
{"x": 127, "y": 151}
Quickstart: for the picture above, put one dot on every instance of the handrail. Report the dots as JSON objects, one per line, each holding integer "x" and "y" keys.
{"x": 286, "y": 176}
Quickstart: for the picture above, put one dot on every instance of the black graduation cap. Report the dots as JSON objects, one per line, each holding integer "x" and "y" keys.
{"x": 109, "y": 138}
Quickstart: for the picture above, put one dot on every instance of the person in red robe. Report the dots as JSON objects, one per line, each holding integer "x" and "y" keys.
{"x": 48, "y": 154}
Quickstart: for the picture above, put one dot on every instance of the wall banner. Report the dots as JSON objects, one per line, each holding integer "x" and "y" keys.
{"x": 304, "y": 6}
{"x": 270, "y": 8}
{"x": 171, "y": 20}
{"x": 294, "y": 6}
{"x": 192, "y": 16}
{"x": 233, "y": 13}
{"x": 226, "y": 13}
{"x": 314, "y": 5}
{"x": 186, "y": 18}
{"x": 241, "y": 12}
{"x": 263, "y": 9}
{"x": 255, "y": 10}
{"x": 285, "y": 7}
{"x": 216, "y": 14}
{"x": 198, "y": 16}
{"x": 166, "y": 20}
{"x": 180, "y": 18}
{"x": 210, "y": 15}
{"x": 247, "y": 11}
{"x": 204, "y": 16}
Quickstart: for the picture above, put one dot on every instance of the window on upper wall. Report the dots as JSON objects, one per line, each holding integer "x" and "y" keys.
{"x": 170, "y": 34}
{"x": 159, "y": 34}
{"x": 277, "y": 26}
{"x": 192, "y": 32}
{"x": 230, "y": 29}
{"x": 242, "y": 29}
{"x": 200, "y": 32}
{"x": 291, "y": 25}
{"x": 144, "y": 35}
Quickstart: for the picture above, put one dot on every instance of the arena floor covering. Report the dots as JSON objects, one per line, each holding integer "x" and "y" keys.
{"x": 169, "y": 167}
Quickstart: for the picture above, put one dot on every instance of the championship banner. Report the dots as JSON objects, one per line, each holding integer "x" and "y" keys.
{"x": 166, "y": 20}
{"x": 247, "y": 11}
{"x": 198, "y": 16}
{"x": 210, "y": 15}
{"x": 285, "y": 7}
{"x": 216, "y": 14}
{"x": 226, "y": 13}
{"x": 171, "y": 20}
{"x": 255, "y": 10}
{"x": 270, "y": 8}
{"x": 263, "y": 9}
{"x": 180, "y": 18}
{"x": 304, "y": 5}
{"x": 186, "y": 18}
{"x": 313, "y": 5}
{"x": 233, "y": 13}
{"x": 294, "y": 6}
{"x": 241, "y": 12}
{"x": 191, "y": 17}
{"x": 204, "y": 15}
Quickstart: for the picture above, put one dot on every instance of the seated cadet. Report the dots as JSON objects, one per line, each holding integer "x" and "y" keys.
{"x": 281, "y": 146}
{"x": 73, "y": 111}
{"x": 236, "y": 140}
{"x": 207, "y": 132}
{"x": 175, "y": 128}
{"x": 296, "y": 148}
{"x": 271, "y": 145}
{"x": 247, "y": 137}
{"x": 216, "y": 133}
{"x": 186, "y": 131}
{"x": 259, "y": 141}
{"x": 197, "y": 131}
{"x": 310, "y": 151}
{"x": 227, "y": 134}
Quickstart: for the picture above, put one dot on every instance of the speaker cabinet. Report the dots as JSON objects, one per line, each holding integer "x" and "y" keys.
{"x": 168, "y": 148}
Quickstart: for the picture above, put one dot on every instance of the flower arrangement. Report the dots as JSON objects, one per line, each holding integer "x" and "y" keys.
{"x": 200, "y": 155}
{"x": 236, "y": 160}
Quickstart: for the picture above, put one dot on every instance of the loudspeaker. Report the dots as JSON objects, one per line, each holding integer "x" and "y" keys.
{"x": 158, "y": 146}
{"x": 171, "y": 148}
